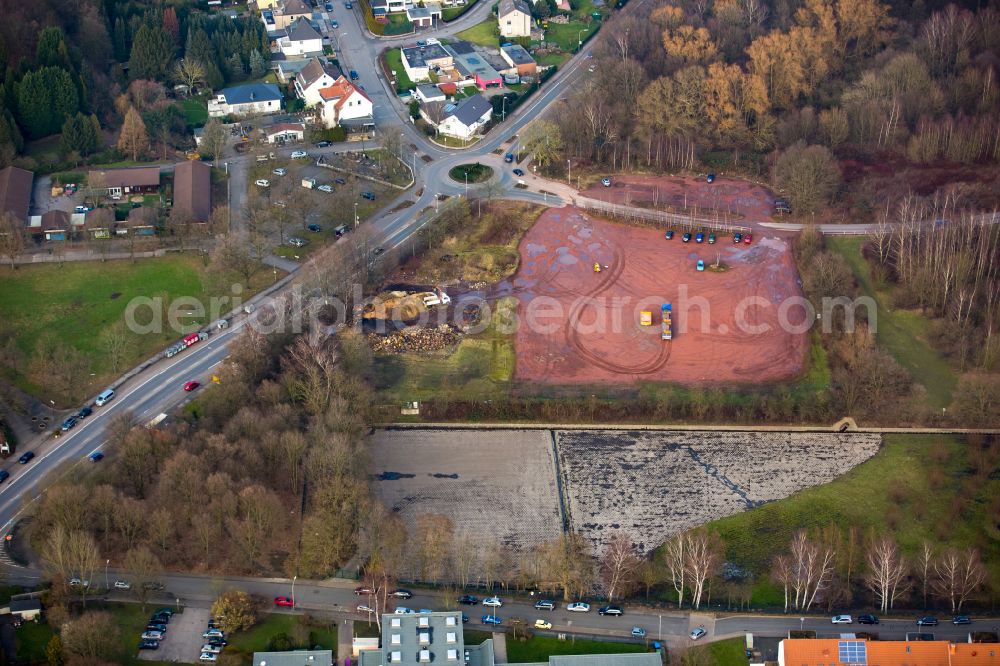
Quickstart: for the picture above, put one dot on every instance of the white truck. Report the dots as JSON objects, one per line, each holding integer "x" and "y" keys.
{"x": 309, "y": 183}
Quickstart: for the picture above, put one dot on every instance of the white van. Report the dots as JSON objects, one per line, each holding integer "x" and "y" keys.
{"x": 104, "y": 398}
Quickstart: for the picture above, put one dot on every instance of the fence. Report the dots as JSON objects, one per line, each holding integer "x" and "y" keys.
{"x": 630, "y": 213}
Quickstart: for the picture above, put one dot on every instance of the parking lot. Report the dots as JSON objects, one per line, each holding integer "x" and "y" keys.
{"x": 183, "y": 640}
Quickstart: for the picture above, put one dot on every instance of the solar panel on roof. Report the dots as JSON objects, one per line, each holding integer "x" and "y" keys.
{"x": 852, "y": 652}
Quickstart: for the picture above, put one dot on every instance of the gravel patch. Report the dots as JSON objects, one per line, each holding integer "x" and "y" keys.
{"x": 654, "y": 484}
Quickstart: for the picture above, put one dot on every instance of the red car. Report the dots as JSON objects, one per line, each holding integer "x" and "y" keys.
{"x": 283, "y": 601}
{"x": 748, "y": 238}
{"x": 190, "y": 386}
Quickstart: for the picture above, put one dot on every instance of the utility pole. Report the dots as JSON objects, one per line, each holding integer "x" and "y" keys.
{"x": 569, "y": 173}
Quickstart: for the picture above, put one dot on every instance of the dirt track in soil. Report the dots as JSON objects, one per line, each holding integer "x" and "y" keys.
{"x": 581, "y": 326}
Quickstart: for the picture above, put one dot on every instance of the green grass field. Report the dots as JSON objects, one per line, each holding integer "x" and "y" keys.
{"x": 75, "y": 302}
{"x": 916, "y": 487}
{"x": 484, "y": 34}
{"x": 32, "y": 637}
{"x": 257, "y": 637}
{"x": 901, "y": 332}
{"x": 476, "y": 173}
{"x": 540, "y": 648}
{"x": 721, "y": 653}
{"x": 195, "y": 110}
{"x": 568, "y": 35}
{"x": 394, "y": 59}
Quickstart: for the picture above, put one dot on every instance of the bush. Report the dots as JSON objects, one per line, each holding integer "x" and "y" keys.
{"x": 374, "y": 26}
{"x": 280, "y": 643}
{"x": 809, "y": 174}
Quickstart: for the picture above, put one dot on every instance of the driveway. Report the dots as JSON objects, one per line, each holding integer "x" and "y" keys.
{"x": 183, "y": 640}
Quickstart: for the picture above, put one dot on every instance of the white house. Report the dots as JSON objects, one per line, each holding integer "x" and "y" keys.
{"x": 314, "y": 77}
{"x": 429, "y": 93}
{"x": 418, "y": 61}
{"x": 467, "y": 117}
{"x": 300, "y": 40}
{"x": 344, "y": 101}
{"x": 285, "y": 132}
{"x": 286, "y": 13}
{"x": 514, "y": 18}
{"x": 246, "y": 100}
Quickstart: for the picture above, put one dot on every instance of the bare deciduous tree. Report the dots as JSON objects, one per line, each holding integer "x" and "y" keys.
{"x": 674, "y": 557}
{"x": 144, "y": 570}
{"x": 11, "y": 237}
{"x": 957, "y": 575}
{"x": 887, "y": 571}
{"x": 620, "y": 566}
{"x": 704, "y": 555}
{"x": 805, "y": 571}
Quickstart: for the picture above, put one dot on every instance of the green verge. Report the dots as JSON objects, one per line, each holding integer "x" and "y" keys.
{"x": 887, "y": 494}
{"x": 394, "y": 60}
{"x": 484, "y": 34}
{"x": 257, "y": 637}
{"x": 476, "y": 173}
{"x": 32, "y": 638}
{"x": 901, "y": 332}
{"x": 568, "y": 35}
{"x": 540, "y": 648}
{"x": 195, "y": 111}
{"x": 720, "y": 653}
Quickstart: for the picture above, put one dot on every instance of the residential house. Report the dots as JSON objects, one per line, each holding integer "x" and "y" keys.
{"x": 15, "y": 191}
{"x": 285, "y": 132}
{"x": 118, "y": 183}
{"x": 464, "y": 119}
{"x": 379, "y": 9}
{"x": 25, "y": 609}
{"x": 344, "y": 101}
{"x": 53, "y": 225}
{"x": 420, "y": 639}
{"x": 315, "y": 76}
{"x": 246, "y": 100}
{"x": 848, "y": 650}
{"x": 423, "y": 17}
{"x": 289, "y": 70}
{"x": 419, "y": 60}
{"x": 473, "y": 67}
{"x": 288, "y": 12}
{"x": 519, "y": 59}
{"x": 301, "y": 39}
{"x": 514, "y": 18}
{"x": 428, "y": 93}
{"x": 193, "y": 189}
{"x": 294, "y": 658}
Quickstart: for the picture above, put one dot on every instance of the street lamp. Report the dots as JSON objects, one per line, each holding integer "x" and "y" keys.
{"x": 106, "y": 563}
{"x": 579, "y": 40}
{"x": 466, "y": 192}
{"x": 401, "y": 135}
{"x": 355, "y": 214}
{"x": 503, "y": 115}
{"x": 569, "y": 173}
{"x": 659, "y": 628}
{"x": 293, "y": 590}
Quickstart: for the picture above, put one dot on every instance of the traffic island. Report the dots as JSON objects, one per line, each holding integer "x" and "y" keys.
{"x": 471, "y": 173}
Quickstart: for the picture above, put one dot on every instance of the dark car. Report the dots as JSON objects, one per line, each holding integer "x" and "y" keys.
{"x": 149, "y": 644}
{"x": 867, "y": 619}
{"x": 354, "y": 75}
{"x": 152, "y": 585}
{"x": 465, "y": 618}
{"x": 710, "y": 178}
{"x": 166, "y": 610}
{"x": 340, "y": 181}
{"x": 737, "y": 237}
{"x": 26, "y": 457}
{"x": 669, "y": 235}
{"x": 368, "y": 195}
{"x": 68, "y": 423}
{"x": 4, "y": 475}
{"x": 324, "y": 144}
{"x": 96, "y": 456}
{"x": 315, "y": 228}
{"x": 508, "y": 158}
{"x": 927, "y": 621}
{"x": 157, "y": 626}
{"x": 348, "y": 5}
{"x": 217, "y": 641}
{"x": 545, "y": 604}
{"x": 518, "y": 172}
{"x": 84, "y": 412}
{"x": 699, "y": 237}
{"x": 468, "y": 599}
{"x": 961, "y": 619}
{"x": 328, "y": 6}
{"x": 686, "y": 237}
{"x": 610, "y": 610}
{"x": 159, "y": 618}
{"x": 402, "y": 594}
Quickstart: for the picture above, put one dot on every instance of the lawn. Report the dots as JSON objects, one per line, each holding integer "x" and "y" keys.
{"x": 901, "y": 332}
{"x": 32, "y": 637}
{"x": 567, "y": 35}
{"x": 195, "y": 110}
{"x": 258, "y": 636}
{"x": 394, "y": 60}
{"x": 540, "y": 648}
{"x": 888, "y": 494}
{"x": 82, "y": 299}
{"x": 484, "y": 34}
{"x": 729, "y": 652}
{"x": 476, "y": 173}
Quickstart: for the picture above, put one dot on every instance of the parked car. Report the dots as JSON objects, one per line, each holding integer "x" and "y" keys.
{"x": 700, "y": 266}
{"x": 747, "y": 238}
{"x": 402, "y": 594}
{"x": 26, "y": 457}
{"x": 348, "y": 5}
{"x": 159, "y": 618}
{"x": 262, "y": 182}
{"x": 157, "y": 626}
{"x": 403, "y": 610}
{"x": 96, "y": 456}
{"x": 468, "y": 599}
{"x": 711, "y": 239}
{"x": 542, "y": 624}
{"x": 208, "y": 657}
{"x": 4, "y": 475}
{"x": 354, "y": 75}
{"x": 214, "y": 649}
{"x": 961, "y": 619}
{"x": 152, "y": 635}
{"x": 867, "y": 619}
{"x": 545, "y": 604}
{"x": 606, "y": 182}
{"x": 213, "y": 632}
{"x": 697, "y": 633}
{"x": 426, "y": 610}
{"x": 669, "y": 235}
{"x": 283, "y": 601}
{"x": 334, "y": 25}
{"x": 328, "y": 6}
{"x": 737, "y": 237}
{"x": 842, "y": 619}
{"x": 153, "y": 586}
{"x": 493, "y": 602}
{"x": 710, "y": 178}
{"x": 610, "y": 610}
{"x": 699, "y": 237}
{"x": 638, "y": 632}
{"x": 325, "y": 188}
{"x": 280, "y": 171}
{"x": 686, "y": 237}
{"x": 324, "y": 144}
{"x": 295, "y": 241}
{"x": 299, "y": 154}
{"x": 149, "y": 644}
{"x": 364, "y": 589}
{"x": 421, "y": 43}
{"x": 368, "y": 195}
{"x": 340, "y": 181}
{"x": 927, "y": 621}
{"x": 492, "y": 619}
{"x": 518, "y": 172}
{"x": 166, "y": 610}
{"x": 362, "y": 608}
{"x": 76, "y": 582}
{"x": 218, "y": 641}
{"x": 191, "y": 385}
{"x": 578, "y": 607}
{"x": 84, "y": 412}
{"x": 68, "y": 423}
{"x": 315, "y": 228}
{"x": 508, "y": 158}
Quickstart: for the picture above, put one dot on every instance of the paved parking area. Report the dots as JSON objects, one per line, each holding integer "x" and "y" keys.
{"x": 183, "y": 641}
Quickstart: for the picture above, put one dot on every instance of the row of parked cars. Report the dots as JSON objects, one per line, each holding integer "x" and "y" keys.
{"x": 926, "y": 621}
{"x": 700, "y": 237}
{"x": 156, "y": 628}
{"x": 215, "y": 641}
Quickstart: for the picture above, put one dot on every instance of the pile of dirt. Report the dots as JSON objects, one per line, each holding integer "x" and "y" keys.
{"x": 415, "y": 339}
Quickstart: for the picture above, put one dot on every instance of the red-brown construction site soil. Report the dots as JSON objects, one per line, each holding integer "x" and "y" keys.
{"x": 566, "y": 345}
{"x": 731, "y": 198}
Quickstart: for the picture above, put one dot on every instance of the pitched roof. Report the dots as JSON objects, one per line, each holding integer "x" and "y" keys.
{"x": 251, "y": 92}
{"x": 193, "y": 189}
{"x": 302, "y": 31}
{"x": 15, "y": 191}
{"x": 295, "y": 7}
{"x": 507, "y": 6}
{"x": 132, "y": 177}
{"x": 340, "y": 91}
{"x": 314, "y": 71}
{"x": 471, "y": 109}
{"x": 55, "y": 220}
